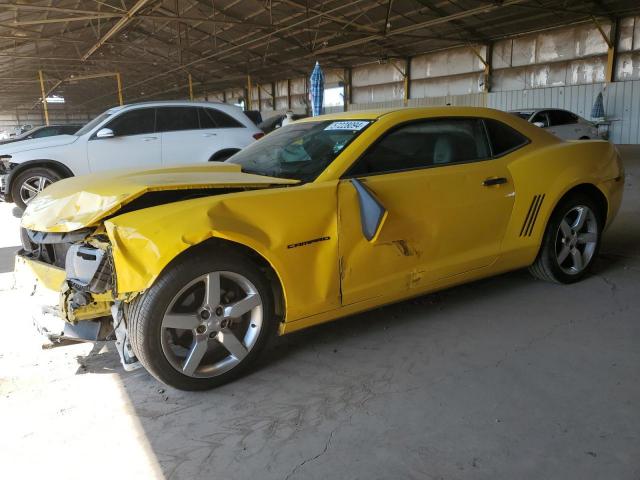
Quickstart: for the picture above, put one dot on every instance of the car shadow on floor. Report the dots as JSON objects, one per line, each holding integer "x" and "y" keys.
{"x": 448, "y": 345}
{"x": 103, "y": 357}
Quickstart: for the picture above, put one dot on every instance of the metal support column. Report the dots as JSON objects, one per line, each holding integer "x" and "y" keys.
{"x": 273, "y": 94}
{"x": 288, "y": 94}
{"x": 119, "y": 82}
{"x": 487, "y": 66}
{"x": 346, "y": 91}
{"x": 248, "y": 105}
{"x": 44, "y": 98}
{"x": 488, "y": 73}
{"x": 190, "y": 88}
{"x": 407, "y": 81}
{"x": 307, "y": 101}
{"x": 611, "y": 41}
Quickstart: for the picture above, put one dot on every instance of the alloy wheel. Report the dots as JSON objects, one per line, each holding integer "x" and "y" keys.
{"x": 32, "y": 186}
{"x": 576, "y": 239}
{"x": 212, "y": 324}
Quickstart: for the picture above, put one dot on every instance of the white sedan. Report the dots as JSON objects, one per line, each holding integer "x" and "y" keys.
{"x": 142, "y": 135}
{"x": 561, "y": 123}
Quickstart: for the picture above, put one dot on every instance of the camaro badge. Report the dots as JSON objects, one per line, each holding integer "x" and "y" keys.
{"x": 308, "y": 242}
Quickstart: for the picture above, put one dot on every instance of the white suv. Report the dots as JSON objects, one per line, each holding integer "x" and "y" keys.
{"x": 143, "y": 135}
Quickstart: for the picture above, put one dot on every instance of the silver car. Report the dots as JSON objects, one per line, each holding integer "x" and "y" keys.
{"x": 561, "y": 123}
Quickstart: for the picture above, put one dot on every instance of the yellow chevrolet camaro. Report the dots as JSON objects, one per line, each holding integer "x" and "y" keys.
{"x": 191, "y": 269}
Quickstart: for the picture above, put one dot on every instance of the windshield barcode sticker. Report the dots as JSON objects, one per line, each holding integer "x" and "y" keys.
{"x": 347, "y": 125}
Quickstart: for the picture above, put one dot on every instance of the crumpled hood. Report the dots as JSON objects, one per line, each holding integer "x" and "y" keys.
{"x": 80, "y": 202}
{"x": 35, "y": 143}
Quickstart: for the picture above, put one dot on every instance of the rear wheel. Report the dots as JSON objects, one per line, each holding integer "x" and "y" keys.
{"x": 203, "y": 322}
{"x": 27, "y": 184}
{"x": 571, "y": 241}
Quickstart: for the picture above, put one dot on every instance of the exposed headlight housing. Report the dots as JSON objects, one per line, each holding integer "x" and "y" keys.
{"x": 5, "y": 163}
{"x": 89, "y": 269}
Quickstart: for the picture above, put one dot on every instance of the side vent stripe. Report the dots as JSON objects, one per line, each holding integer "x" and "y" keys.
{"x": 526, "y": 219}
{"x": 532, "y": 216}
{"x": 535, "y": 215}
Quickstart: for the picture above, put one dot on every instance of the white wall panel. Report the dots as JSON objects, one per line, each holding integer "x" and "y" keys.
{"x": 378, "y": 93}
{"x": 563, "y": 68}
{"x": 377, "y": 74}
{"x": 333, "y": 77}
{"x": 438, "y": 87}
{"x": 628, "y": 66}
{"x": 298, "y": 86}
{"x": 471, "y": 100}
{"x": 455, "y": 61}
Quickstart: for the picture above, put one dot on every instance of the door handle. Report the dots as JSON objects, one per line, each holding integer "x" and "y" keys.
{"x": 209, "y": 134}
{"x": 494, "y": 181}
{"x": 148, "y": 139}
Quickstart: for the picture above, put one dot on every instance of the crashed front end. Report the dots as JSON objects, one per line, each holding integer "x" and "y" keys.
{"x": 75, "y": 292}
{"x": 5, "y": 172}
{"x": 88, "y": 263}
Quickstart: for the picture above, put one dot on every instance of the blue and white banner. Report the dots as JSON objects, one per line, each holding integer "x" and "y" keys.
{"x": 316, "y": 90}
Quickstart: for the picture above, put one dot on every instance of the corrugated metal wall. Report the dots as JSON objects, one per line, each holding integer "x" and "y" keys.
{"x": 562, "y": 68}
{"x": 9, "y": 121}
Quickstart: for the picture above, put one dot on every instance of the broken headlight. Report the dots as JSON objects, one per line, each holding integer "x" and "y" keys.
{"x": 89, "y": 269}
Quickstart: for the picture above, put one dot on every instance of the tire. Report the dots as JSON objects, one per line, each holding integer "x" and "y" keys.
{"x": 166, "y": 351}
{"x": 28, "y": 183}
{"x": 557, "y": 260}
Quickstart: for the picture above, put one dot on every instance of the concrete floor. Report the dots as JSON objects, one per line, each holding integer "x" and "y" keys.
{"x": 506, "y": 378}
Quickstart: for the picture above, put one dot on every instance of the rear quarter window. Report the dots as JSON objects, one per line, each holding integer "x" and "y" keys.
{"x": 503, "y": 138}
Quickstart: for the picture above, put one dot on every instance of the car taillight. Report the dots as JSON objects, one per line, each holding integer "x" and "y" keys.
{"x": 258, "y": 135}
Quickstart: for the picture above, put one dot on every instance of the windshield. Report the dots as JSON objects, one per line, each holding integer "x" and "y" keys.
{"x": 89, "y": 126}
{"x": 300, "y": 151}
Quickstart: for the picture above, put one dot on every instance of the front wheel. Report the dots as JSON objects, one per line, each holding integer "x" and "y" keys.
{"x": 571, "y": 241}
{"x": 203, "y": 322}
{"x": 27, "y": 184}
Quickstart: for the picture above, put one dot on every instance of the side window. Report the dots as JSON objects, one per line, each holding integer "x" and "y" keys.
{"x": 541, "y": 117}
{"x": 45, "y": 132}
{"x": 503, "y": 138}
{"x": 426, "y": 143}
{"x": 172, "y": 119}
{"x": 561, "y": 117}
{"x": 206, "y": 120}
{"x": 69, "y": 130}
{"x": 134, "y": 122}
{"x": 212, "y": 116}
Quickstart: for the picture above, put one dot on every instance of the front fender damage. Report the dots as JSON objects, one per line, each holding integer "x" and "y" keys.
{"x": 278, "y": 226}
{"x": 141, "y": 249}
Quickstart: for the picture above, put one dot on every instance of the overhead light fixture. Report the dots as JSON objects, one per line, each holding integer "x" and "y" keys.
{"x": 55, "y": 99}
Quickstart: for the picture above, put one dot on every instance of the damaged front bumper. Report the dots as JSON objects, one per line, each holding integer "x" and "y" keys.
{"x": 44, "y": 284}
{"x": 5, "y": 171}
{"x": 76, "y": 302}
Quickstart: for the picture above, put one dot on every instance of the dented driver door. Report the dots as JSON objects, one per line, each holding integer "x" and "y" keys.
{"x": 439, "y": 222}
